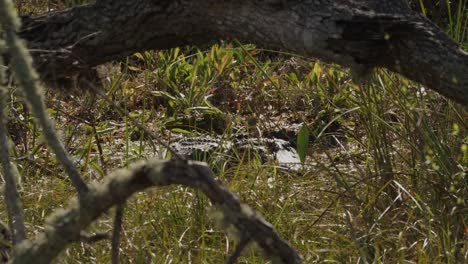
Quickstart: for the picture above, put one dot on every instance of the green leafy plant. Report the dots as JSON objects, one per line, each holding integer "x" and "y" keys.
{"x": 303, "y": 143}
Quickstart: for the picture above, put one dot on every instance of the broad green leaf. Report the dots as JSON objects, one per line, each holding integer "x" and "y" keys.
{"x": 181, "y": 131}
{"x": 303, "y": 143}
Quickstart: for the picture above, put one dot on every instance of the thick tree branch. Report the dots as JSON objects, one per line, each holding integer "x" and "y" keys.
{"x": 360, "y": 33}
{"x": 66, "y": 225}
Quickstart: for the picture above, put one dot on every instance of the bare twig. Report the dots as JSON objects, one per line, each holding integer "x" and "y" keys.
{"x": 239, "y": 248}
{"x": 92, "y": 238}
{"x": 12, "y": 197}
{"x": 5, "y": 243}
{"x": 27, "y": 77}
{"x": 119, "y": 212}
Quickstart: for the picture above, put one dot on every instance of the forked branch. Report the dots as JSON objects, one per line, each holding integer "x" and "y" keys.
{"x": 65, "y": 225}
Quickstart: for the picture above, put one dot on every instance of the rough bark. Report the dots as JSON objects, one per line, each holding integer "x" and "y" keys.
{"x": 355, "y": 33}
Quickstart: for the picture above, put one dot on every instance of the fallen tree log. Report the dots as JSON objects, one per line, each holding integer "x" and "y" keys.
{"x": 361, "y": 34}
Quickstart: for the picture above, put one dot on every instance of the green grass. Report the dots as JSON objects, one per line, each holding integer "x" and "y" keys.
{"x": 385, "y": 179}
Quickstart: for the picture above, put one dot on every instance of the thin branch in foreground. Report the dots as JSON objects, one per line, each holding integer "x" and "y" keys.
{"x": 5, "y": 243}
{"x": 118, "y": 219}
{"x": 27, "y": 77}
{"x": 64, "y": 226}
{"x": 92, "y": 238}
{"x": 239, "y": 248}
{"x": 12, "y": 197}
